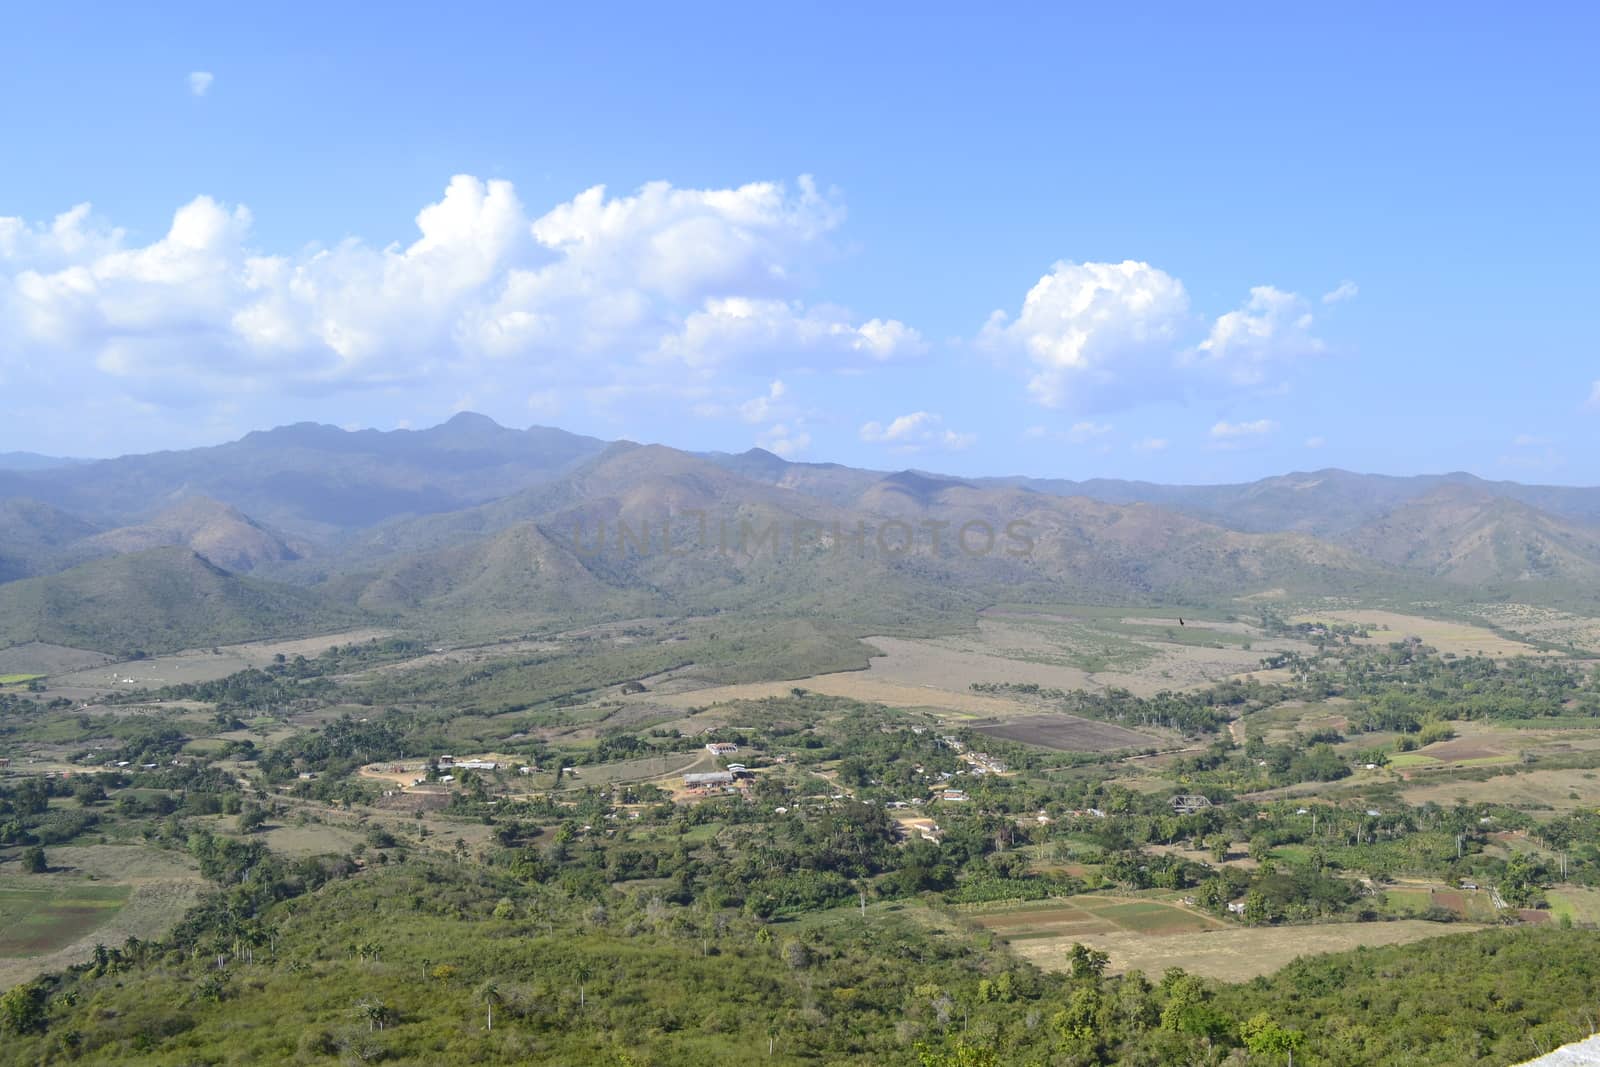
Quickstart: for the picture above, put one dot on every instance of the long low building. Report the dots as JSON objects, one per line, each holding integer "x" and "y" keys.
{"x": 707, "y": 780}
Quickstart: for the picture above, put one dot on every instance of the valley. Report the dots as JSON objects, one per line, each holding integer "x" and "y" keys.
{"x": 1156, "y": 747}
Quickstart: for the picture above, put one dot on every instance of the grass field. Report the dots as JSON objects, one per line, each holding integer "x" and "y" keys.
{"x": 1063, "y": 648}
{"x": 1152, "y": 934}
{"x": 1068, "y": 733}
{"x": 1463, "y": 639}
{"x": 93, "y": 893}
{"x": 1234, "y": 954}
{"x": 1534, "y": 790}
{"x": 204, "y": 665}
{"x": 852, "y": 685}
{"x": 635, "y": 770}
{"x": 1543, "y": 624}
{"x": 35, "y": 920}
{"x": 17, "y": 679}
{"x": 1093, "y": 914}
{"x": 1580, "y": 905}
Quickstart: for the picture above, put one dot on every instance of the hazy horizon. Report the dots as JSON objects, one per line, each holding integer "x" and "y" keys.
{"x": 950, "y": 469}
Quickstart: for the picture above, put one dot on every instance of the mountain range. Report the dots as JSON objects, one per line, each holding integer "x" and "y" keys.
{"x": 471, "y": 525}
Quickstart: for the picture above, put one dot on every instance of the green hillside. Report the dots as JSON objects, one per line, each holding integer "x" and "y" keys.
{"x": 160, "y": 600}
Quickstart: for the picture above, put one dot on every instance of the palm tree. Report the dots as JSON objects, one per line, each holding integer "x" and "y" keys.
{"x": 376, "y": 1012}
{"x": 489, "y": 993}
{"x": 582, "y": 972}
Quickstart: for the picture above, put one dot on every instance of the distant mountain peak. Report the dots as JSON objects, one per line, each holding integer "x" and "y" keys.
{"x": 468, "y": 423}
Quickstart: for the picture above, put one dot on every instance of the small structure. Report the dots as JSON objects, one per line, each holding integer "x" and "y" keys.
{"x": 1188, "y": 803}
{"x": 953, "y": 794}
{"x": 708, "y": 780}
{"x": 722, "y": 748}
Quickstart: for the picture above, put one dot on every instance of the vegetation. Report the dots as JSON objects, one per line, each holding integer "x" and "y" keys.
{"x": 468, "y": 832}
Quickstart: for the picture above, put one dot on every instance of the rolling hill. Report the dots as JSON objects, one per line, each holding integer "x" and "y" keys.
{"x": 32, "y": 534}
{"x": 1464, "y": 534}
{"x": 213, "y": 530}
{"x": 541, "y": 550}
{"x": 1324, "y": 503}
{"x": 160, "y": 600}
{"x": 470, "y": 525}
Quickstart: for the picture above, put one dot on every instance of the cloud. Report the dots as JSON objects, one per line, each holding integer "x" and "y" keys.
{"x": 1151, "y": 444}
{"x": 1272, "y": 327}
{"x": 1088, "y": 327}
{"x": 1345, "y": 290}
{"x": 1231, "y": 435}
{"x": 785, "y": 440}
{"x": 1099, "y": 336}
{"x": 739, "y": 328}
{"x": 1316, "y": 442}
{"x": 200, "y": 82}
{"x": 1078, "y": 433}
{"x": 663, "y": 287}
{"x": 916, "y": 431}
{"x": 758, "y": 409}
{"x": 1528, "y": 440}
{"x": 1593, "y": 403}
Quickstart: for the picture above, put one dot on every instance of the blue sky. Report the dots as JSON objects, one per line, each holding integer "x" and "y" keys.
{"x": 1255, "y": 241}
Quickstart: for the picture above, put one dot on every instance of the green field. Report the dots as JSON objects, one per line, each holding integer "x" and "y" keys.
{"x": 35, "y": 921}
{"x": 1579, "y": 905}
{"x": 18, "y": 679}
{"x": 1090, "y": 914}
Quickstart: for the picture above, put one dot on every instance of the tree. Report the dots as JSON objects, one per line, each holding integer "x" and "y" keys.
{"x": 22, "y": 1009}
{"x": 33, "y": 860}
{"x": 1262, "y": 1035}
{"x": 582, "y": 972}
{"x": 963, "y": 1055}
{"x": 489, "y": 993}
{"x": 795, "y": 954}
{"x": 1087, "y": 962}
{"x": 376, "y": 1012}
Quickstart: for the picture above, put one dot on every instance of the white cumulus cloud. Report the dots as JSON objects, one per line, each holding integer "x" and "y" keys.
{"x": 662, "y": 286}
{"x": 200, "y": 82}
{"x": 1087, "y": 328}
{"x": 916, "y": 431}
{"x": 760, "y": 408}
{"x": 1099, "y": 336}
{"x": 1272, "y": 327}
